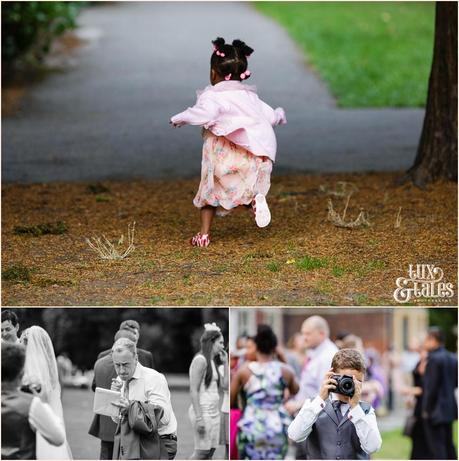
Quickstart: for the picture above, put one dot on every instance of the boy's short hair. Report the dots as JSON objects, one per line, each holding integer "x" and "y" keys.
{"x": 13, "y": 359}
{"x": 348, "y": 358}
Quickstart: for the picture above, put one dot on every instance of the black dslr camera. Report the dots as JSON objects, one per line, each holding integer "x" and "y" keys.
{"x": 29, "y": 387}
{"x": 345, "y": 385}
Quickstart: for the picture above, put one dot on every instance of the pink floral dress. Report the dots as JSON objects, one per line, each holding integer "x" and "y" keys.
{"x": 230, "y": 175}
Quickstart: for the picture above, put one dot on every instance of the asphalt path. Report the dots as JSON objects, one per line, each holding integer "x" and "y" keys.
{"x": 105, "y": 116}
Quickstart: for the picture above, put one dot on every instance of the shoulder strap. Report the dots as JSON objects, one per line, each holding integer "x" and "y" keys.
{"x": 202, "y": 359}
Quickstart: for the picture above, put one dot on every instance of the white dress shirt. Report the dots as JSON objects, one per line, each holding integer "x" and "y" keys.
{"x": 366, "y": 426}
{"x": 148, "y": 385}
{"x": 318, "y": 363}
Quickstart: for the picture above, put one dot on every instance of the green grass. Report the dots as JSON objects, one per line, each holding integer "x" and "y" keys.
{"x": 324, "y": 287}
{"x": 394, "y": 446}
{"x": 360, "y": 299}
{"x": 97, "y": 188}
{"x": 370, "y": 54}
{"x": 16, "y": 273}
{"x": 397, "y": 446}
{"x": 156, "y": 299}
{"x": 369, "y": 266}
{"x": 309, "y": 263}
{"x": 273, "y": 266}
{"x": 43, "y": 283}
{"x": 103, "y": 198}
{"x": 338, "y": 271}
{"x": 56, "y": 228}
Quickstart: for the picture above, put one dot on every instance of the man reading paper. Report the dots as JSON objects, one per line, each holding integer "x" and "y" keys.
{"x": 141, "y": 384}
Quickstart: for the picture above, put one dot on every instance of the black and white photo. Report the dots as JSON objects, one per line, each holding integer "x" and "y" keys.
{"x": 162, "y": 374}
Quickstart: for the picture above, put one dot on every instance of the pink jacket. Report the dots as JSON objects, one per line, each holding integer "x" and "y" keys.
{"x": 233, "y": 109}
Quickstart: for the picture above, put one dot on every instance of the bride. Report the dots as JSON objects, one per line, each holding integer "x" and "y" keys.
{"x": 41, "y": 368}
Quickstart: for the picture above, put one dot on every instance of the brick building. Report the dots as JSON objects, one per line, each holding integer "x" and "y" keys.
{"x": 379, "y": 328}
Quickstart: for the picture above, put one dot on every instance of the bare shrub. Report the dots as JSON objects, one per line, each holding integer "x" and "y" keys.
{"x": 398, "y": 218}
{"x": 340, "y": 220}
{"x": 107, "y": 250}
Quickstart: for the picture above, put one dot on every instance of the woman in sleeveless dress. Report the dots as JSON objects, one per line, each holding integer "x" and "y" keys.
{"x": 205, "y": 384}
{"x": 41, "y": 368}
{"x": 263, "y": 426}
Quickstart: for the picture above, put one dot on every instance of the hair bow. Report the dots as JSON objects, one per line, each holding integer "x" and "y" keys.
{"x": 218, "y": 52}
{"x": 212, "y": 327}
{"x": 245, "y": 74}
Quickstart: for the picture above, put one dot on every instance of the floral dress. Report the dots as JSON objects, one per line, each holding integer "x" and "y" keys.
{"x": 230, "y": 175}
{"x": 263, "y": 425}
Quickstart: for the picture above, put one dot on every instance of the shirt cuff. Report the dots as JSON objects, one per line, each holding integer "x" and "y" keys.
{"x": 316, "y": 405}
{"x": 356, "y": 413}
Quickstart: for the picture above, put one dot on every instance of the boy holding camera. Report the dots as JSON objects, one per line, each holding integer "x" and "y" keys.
{"x": 336, "y": 424}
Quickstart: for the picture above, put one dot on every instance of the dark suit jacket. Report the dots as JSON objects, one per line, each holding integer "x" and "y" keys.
{"x": 137, "y": 436}
{"x": 102, "y": 426}
{"x": 145, "y": 357}
{"x": 440, "y": 380}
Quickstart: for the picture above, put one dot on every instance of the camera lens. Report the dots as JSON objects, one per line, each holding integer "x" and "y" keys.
{"x": 347, "y": 386}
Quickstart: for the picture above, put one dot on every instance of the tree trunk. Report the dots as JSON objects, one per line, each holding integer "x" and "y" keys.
{"x": 437, "y": 151}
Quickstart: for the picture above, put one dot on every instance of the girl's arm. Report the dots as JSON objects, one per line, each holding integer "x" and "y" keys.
{"x": 197, "y": 371}
{"x": 236, "y": 385}
{"x": 203, "y": 113}
{"x": 290, "y": 380}
{"x": 274, "y": 116}
{"x": 238, "y": 382}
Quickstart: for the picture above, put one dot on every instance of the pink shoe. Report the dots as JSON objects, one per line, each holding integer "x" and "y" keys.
{"x": 200, "y": 240}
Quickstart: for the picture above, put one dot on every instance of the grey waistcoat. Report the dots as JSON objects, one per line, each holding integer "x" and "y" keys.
{"x": 330, "y": 440}
{"x": 18, "y": 438}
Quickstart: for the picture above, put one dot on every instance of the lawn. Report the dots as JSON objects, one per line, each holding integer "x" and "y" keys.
{"x": 397, "y": 446}
{"x": 300, "y": 259}
{"x": 78, "y": 415}
{"x": 370, "y": 54}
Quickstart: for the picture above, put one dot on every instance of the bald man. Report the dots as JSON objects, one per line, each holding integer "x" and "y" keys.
{"x": 320, "y": 351}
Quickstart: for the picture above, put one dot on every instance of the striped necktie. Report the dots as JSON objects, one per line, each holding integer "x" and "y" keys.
{"x": 126, "y": 389}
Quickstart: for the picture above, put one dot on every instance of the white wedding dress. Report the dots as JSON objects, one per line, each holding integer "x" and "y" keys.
{"x": 41, "y": 367}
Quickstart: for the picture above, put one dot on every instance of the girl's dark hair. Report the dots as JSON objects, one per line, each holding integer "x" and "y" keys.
{"x": 265, "y": 339}
{"x": 233, "y": 62}
{"x": 207, "y": 341}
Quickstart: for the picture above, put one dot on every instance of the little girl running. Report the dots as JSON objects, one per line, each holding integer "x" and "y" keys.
{"x": 239, "y": 141}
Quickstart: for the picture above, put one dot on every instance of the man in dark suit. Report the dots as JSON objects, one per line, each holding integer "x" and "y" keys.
{"x": 145, "y": 357}
{"x": 439, "y": 407}
{"x": 102, "y": 426}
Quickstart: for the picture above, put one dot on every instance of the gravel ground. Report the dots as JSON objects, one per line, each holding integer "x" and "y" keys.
{"x": 302, "y": 258}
